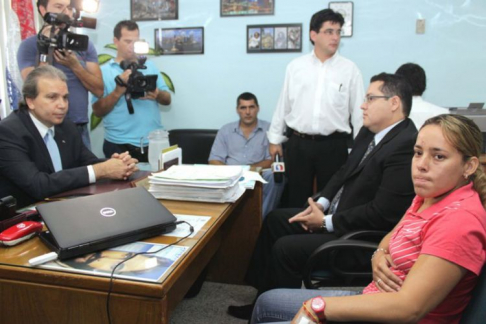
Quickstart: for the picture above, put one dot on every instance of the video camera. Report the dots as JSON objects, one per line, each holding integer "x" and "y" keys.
{"x": 137, "y": 84}
{"x": 64, "y": 39}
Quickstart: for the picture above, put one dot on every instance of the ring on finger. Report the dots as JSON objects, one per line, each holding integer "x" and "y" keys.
{"x": 378, "y": 281}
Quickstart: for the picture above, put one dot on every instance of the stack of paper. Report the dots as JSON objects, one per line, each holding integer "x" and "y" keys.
{"x": 212, "y": 183}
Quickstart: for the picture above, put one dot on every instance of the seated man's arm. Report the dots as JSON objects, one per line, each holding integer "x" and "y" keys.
{"x": 219, "y": 150}
{"x": 265, "y": 164}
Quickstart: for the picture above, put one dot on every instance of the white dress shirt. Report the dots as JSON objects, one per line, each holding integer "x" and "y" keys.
{"x": 423, "y": 110}
{"x": 325, "y": 203}
{"x": 43, "y": 131}
{"x": 318, "y": 98}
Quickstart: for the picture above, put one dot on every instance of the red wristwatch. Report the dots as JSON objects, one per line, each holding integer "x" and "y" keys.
{"x": 318, "y": 306}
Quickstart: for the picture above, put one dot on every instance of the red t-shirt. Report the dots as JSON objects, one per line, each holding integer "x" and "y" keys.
{"x": 454, "y": 229}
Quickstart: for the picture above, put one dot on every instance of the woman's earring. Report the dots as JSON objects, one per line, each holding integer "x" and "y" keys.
{"x": 466, "y": 176}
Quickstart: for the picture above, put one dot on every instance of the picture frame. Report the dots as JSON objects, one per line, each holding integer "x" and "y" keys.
{"x": 178, "y": 41}
{"x": 141, "y": 10}
{"x": 345, "y": 8}
{"x": 234, "y": 8}
{"x": 280, "y": 38}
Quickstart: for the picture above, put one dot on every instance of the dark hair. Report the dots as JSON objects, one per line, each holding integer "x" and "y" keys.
{"x": 321, "y": 17}
{"x": 396, "y": 85}
{"x": 31, "y": 90}
{"x": 128, "y": 24}
{"x": 246, "y": 96}
{"x": 462, "y": 133}
{"x": 42, "y": 3}
{"x": 415, "y": 76}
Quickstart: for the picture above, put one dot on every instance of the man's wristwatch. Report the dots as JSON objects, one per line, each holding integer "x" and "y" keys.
{"x": 323, "y": 226}
{"x": 318, "y": 306}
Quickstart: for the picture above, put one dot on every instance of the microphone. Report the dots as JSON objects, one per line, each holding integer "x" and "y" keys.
{"x": 278, "y": 169}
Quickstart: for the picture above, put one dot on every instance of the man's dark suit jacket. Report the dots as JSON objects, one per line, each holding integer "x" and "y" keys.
{"x": 377, "y": 192}
{"x": 26, "y": 169}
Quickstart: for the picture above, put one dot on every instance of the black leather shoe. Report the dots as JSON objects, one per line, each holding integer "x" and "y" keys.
{"x": 242, "y": 312}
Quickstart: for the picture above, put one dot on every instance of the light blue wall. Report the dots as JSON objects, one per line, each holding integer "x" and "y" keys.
{"x": 452, "y": 51}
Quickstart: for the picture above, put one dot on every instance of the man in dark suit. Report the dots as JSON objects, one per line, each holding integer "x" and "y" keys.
{"x": 41, "y": 153}
{"x": 371, "y": 191}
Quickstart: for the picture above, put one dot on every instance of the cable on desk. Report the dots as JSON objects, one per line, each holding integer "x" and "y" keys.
{"x": 191, "y": 230}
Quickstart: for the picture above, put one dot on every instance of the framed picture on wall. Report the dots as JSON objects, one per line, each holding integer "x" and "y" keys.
{"x": 171, "y": 41}
{"x": 154, "y": 9}
{"x": 231, "y": 8}
{"x": 345, "y": 8}
{"x": 274, "y": 38}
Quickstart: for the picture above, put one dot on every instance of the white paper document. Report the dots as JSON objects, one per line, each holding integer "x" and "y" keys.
{"x": 183, "y": 229}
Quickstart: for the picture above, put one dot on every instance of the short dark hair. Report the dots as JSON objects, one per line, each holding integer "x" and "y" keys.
{"x": 42, "y": 3}
{"x": 321, "y": 17}
{"x": 30, "y": 88}
{"x": 246, "y": 96}
{"x": 128, "y": 24}
{"x": 415, "y": 76}
{"x": 396, "y": 85}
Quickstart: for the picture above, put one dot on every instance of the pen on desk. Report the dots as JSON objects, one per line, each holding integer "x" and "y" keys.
{"x": 340, "y": 86}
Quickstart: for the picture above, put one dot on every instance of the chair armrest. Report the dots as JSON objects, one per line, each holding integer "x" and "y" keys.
{"x": 365, "y": 235}
{"x": 333, "y": 246}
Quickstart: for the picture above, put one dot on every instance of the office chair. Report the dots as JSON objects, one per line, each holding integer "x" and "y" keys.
{"x": 314, "y": 278}
{"x": 195, "y": 144}
{"x": 475, "y": 312}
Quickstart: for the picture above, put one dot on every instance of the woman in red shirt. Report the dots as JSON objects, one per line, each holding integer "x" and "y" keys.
{"x": 425, "y": 269}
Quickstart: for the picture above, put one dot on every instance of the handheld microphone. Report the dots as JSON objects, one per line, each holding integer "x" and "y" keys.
{"x": 278, "y": 169}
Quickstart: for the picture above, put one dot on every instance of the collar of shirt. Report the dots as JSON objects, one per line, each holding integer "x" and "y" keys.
{"x": 237, "y": 128}
{"x": 41, "y": 127}
{"x": 457, "y": 195}
{"x": 113, "y": 62}
{"x": 330, "y": 60}
{"x": 380, "y": 135}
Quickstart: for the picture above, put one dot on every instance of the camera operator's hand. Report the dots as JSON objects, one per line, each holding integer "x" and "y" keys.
{"x": 120, "y": 90}
{"x": 151, "y": 95}
{"x": 66, "y": 58}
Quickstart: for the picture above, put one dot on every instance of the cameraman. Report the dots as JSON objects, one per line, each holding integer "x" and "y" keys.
{"x": 81, "y": 68}
{"x": 123, "y": 131}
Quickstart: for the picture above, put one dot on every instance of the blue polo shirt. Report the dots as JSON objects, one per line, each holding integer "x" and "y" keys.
{"x": 27, "y": 56}
{"x": 233, "y": 148}
{"x": 122, "y": 127}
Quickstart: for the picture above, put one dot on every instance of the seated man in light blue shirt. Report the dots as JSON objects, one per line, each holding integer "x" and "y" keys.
{"x": 244, "y": 142}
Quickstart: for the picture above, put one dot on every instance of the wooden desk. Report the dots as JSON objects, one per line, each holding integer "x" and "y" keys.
{"x": 225, "y": 244}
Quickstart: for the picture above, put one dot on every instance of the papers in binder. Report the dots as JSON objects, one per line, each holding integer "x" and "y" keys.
{"x": 212, "y": 183}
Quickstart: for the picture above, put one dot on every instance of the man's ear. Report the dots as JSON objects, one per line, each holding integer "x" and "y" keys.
{"x": 396, "y": 103}
{"x": 30, "y": 103}
{"x": 42, "y": 10}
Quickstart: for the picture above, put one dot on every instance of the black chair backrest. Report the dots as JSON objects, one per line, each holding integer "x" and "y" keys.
{"x": 475, "y": 312}
{"x": 195, "y": 144}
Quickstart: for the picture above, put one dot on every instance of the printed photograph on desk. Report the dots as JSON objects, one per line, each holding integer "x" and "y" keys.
{"x": 280, "y": 38}
{"x": 170, "y": 41}
{"x": 143, "y": 267}
{"x": 232, "y": 8}
{"x": 154, "y": 10}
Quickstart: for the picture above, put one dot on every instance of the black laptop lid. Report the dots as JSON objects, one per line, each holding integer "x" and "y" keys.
{"x": 79, "y": 221}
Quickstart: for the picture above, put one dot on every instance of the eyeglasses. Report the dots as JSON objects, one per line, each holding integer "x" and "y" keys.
{"x": 330, "y": 32}
{"x": 370, "y": 99}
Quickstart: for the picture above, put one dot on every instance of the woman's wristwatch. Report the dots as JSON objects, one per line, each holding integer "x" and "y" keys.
{"x": 318, "y": 306}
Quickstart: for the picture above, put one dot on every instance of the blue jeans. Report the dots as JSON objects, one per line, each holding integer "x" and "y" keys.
{"x": 272, "y": 192}
{"x": 281, "y": 305}
{"x": 84, "y": 132}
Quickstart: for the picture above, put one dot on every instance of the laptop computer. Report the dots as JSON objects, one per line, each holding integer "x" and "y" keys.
{"x": 87, "y": 224}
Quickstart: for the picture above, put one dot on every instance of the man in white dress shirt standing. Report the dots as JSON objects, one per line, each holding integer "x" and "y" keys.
{"x": 318, "y": 108}
{"x": 421, "y": 109}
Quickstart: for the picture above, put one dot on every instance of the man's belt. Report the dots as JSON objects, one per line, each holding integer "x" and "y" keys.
{"x": 334, "y": 135}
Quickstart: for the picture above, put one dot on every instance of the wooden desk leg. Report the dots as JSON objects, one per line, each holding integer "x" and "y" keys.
{"x": 240, "y": 232}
